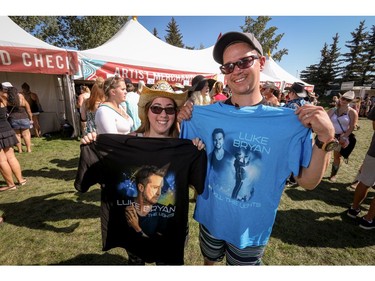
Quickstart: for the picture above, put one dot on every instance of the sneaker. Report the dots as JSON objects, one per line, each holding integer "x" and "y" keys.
{"x": 353, "y": 213}
{"x": 365, "y": 224}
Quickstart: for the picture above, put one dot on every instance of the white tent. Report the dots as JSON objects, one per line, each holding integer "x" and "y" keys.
{"x": 46, "y": 68}
{"x": 280, "y": 75}
{"x": 135, "y": 53}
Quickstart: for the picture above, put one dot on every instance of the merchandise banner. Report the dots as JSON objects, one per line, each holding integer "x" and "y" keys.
{"x": 92, "y": 69}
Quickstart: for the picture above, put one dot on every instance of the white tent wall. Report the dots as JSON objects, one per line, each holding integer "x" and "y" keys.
{"x": 25, "y": 58}
{"x": 57, "y": 97}
{"x": 280, "y": 75}
{"x": 47, "y": 88}
{"x": 154, "y": 60}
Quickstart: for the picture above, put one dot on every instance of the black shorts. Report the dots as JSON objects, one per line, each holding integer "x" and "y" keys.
{"x": 214, "y": 250}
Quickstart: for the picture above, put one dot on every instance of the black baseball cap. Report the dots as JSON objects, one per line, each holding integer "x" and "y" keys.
{"x": 229, "y": 38}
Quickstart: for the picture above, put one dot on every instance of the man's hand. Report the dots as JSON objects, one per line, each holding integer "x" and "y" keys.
{"x": 185, "y": 112}
{"x": 316, "y": 118}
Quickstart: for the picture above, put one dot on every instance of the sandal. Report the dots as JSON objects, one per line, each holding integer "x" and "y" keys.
{"x": 5, "y": 188}
{"x": 22, "y": 182}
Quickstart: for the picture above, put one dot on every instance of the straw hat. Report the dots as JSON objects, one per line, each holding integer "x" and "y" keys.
{"x": 160, "y": 89}
{"x": 179, "y": 86}
{"x": 350, "y": 95}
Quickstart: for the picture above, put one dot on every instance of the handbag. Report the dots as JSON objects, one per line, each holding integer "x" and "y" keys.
{"x": 343, "y": 141}
{"x": 8, "y": 114}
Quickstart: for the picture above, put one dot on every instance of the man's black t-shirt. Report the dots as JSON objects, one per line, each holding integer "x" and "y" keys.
{"x": 112, "y": 161}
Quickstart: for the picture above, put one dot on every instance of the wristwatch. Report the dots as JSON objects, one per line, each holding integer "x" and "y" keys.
{"x": 327, "y": 146}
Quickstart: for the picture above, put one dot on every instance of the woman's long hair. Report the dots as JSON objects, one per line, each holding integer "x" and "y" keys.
{"x": 13, "y": 98}
{"x": 97, "y": 94}
{"x": 198, "y": 99}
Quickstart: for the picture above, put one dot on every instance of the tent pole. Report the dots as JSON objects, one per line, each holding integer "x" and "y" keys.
{"x": 70, "y": 108}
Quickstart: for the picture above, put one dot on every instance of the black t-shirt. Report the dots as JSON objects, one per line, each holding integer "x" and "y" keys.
{"x": 113, "y": 160}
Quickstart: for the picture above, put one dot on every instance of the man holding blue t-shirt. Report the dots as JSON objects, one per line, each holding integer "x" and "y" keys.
{"x": 236, "y": 216}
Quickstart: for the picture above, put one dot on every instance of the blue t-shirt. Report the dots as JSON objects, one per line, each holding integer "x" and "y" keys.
{"x": 267, "y": 144}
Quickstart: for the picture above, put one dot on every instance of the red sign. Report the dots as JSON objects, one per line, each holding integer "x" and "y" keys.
{"x": 96, "y": 68}
{"x": 34, "y": 60}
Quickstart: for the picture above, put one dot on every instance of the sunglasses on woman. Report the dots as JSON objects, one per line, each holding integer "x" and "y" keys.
{"x": 242, "y": 64}
{"x": 345, "y": 99}
{"x": 158, "y": 109}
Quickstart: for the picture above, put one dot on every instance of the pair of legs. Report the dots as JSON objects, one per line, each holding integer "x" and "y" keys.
{"x": 360, "y": 194}
{"x": 36, "y": 125}
{"x": 335, "y": 165}
{"x": 214, "y": 250}
{"x": 10, "y": 166}
{"x": 23, "y": 134}
{"x": 366, "y": 180}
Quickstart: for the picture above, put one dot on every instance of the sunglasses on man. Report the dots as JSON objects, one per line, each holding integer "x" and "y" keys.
{"x": 242, "y": 64}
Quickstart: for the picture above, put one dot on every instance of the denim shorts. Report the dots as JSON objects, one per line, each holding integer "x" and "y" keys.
{"x": 367, "y": 175}
{"x": 20, "y": 124}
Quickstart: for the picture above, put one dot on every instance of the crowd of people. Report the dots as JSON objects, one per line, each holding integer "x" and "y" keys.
{"x": 237, "y": 145}
{"x": 236, "y": 184}
{"x": 18, "y": 113}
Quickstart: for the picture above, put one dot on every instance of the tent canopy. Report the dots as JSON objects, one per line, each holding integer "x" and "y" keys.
{"x": 280, "y": 75}
{"x": 135, "y": 53}
{"x": 22, "y": 52}
{"x": 25, "y": 58}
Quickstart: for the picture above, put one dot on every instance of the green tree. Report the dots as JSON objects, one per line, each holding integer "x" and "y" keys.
{"x": 46, "y": 28}
{"x": 174, "y": 36}
{"x": 155, "y": 33}
{"x": 368, "y": 74}
{"x": 72, "y": 31}
{"x": 353, "y": 70}
{"x": 267, "y": 37}
{"x": 318, "y": 71}
{"x": 327, "y": 71}
{"x": 333, "y": 69}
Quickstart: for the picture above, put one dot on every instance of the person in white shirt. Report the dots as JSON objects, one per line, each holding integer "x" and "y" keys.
{"x": 111, "y": 117}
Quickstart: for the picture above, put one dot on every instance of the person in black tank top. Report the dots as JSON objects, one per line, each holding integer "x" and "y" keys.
{"x": 9, "y": 163}
{"x": 35, "y": 107}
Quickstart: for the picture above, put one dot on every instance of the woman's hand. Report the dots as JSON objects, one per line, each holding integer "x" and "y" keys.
{"x": 132, "y": 218}
{"x": 89, "y": 138}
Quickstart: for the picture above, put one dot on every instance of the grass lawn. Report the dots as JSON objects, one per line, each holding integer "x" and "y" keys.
{"x": 48, "y": 223}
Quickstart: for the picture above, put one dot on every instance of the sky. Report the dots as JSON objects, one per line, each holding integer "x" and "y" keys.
{"x": 306, "y": 25}
{"x": 304, "y": 36}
